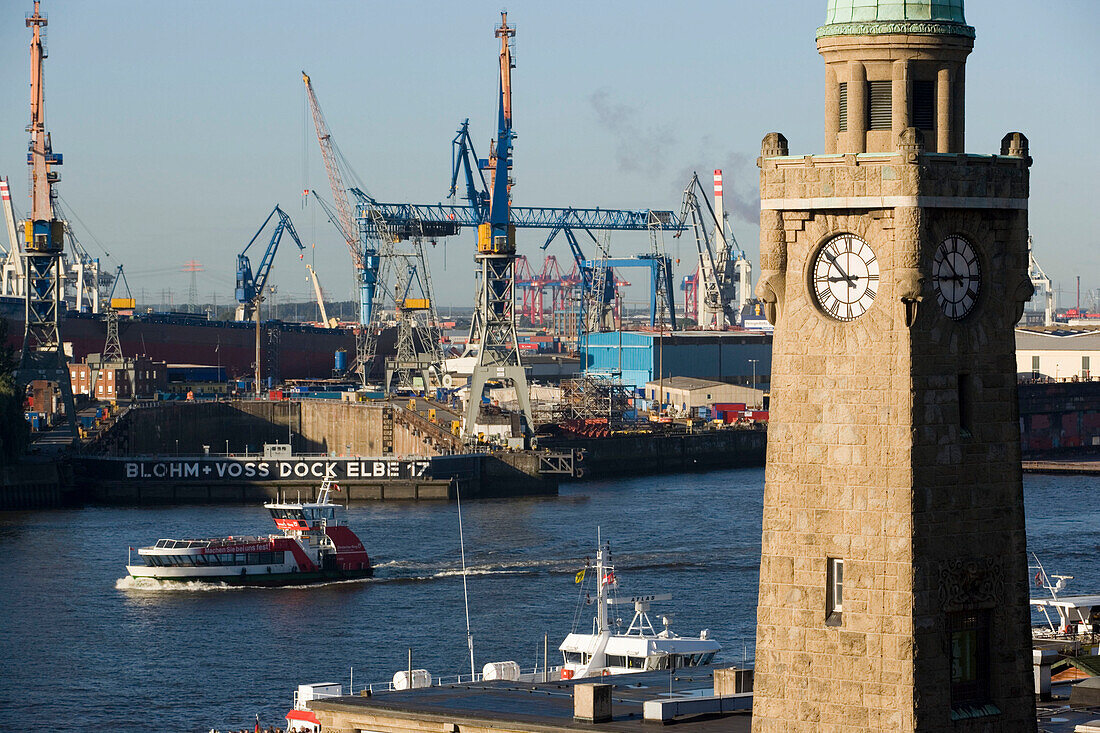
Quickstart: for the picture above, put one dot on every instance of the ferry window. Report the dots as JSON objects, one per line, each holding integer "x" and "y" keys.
{"x": 834, "y": 596}
{"x": 616, "y": 660}
{"x": 707, "y": 657}
{"x": 635, "y": 662}
{"x": 150, "y": 561}
{"x": 201, "y": 560}
{"x": 330, "y": 513}
{"x": 240, "y": 558}
{"x": 573, "y": 658}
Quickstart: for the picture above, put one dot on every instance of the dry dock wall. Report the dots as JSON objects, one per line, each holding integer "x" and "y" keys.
{"x": 312, "y": 426}
{"x": 646, "y": 453}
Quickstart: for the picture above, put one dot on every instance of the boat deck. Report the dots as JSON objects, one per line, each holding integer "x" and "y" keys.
{"x": 213, "y": 542}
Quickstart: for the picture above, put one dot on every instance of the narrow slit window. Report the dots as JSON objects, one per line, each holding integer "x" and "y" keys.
{"x": 881, "y": 109}
{"x": 965, "y": 406}
{"x": 843, "y": 127}
{"x": 1085, "y": 372}
{"x": 1035, "y": 367}
{"x": 923, "y": 113}
{"x": 834, "y": 595}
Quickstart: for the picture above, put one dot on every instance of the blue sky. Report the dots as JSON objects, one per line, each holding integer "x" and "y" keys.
{"x": 182, "y": 124}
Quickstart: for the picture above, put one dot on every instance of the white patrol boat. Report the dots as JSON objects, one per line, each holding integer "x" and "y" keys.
{"x": 640, "y": 648}
{"x": 314, "y": 547}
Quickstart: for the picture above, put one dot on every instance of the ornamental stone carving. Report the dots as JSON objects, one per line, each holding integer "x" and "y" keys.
{"x": 972, "y": 583}
{"x": 900, "y": 27}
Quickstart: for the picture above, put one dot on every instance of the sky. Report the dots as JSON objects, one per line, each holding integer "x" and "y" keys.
{"x": 183, "y": 124}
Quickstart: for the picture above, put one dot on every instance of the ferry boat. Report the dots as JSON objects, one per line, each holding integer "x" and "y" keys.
{"x": 315, "y": 546}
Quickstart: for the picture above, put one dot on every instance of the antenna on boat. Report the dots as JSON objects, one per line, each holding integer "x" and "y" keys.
{"x": 465, "y": 592}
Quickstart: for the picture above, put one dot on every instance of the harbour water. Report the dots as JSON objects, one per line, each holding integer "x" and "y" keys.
{"x": 83, "y": 649}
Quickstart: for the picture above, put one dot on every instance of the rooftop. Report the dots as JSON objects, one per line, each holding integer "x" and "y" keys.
{"x": 872, "y": 17}
{"x": 541, "y": 706}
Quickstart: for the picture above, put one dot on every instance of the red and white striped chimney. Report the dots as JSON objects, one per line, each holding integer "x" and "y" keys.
{"x": 718, "y": 208}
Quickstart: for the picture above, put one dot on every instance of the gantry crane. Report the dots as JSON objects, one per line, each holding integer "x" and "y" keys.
{"x": 250, "y": 288}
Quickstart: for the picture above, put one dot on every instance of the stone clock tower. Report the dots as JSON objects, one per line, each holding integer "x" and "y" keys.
{"x": 893, "y": 577}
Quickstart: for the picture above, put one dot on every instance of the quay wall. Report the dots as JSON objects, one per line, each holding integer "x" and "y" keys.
{"x": 33, "y": 485}
{"x": 1060, "y": 420}
{"x": 665, "y": 452}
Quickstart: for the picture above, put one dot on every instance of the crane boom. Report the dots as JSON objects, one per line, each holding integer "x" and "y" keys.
{"x": 320, "y": 296}
{"x": 336, "y": 181}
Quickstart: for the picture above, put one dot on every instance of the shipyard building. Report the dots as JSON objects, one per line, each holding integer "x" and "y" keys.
{"x": 640, "y": 357}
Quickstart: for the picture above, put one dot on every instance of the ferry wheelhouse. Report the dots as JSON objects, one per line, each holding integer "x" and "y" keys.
{"x": 315, "y": 546}
{"x": 607, "y": 651}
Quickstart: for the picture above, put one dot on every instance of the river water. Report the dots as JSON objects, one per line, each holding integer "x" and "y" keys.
{"x": 81, "y": 648}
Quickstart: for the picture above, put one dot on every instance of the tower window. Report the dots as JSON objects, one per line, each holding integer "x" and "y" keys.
{"x": 1084, "y": 367}
{"x": 965, "y": 406}
{"x": 923, "y": 112}
{"x": 881, "y": 109}
{"x": 834, "y": 594}
{"x": 969, "y": 631}
{"x": 1035, "y": 367}
{"x": 843, "y": 127}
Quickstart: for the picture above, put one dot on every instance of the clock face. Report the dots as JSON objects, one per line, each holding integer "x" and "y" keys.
{"x": 956, "y": 277}
{"x": 844, "y": 277}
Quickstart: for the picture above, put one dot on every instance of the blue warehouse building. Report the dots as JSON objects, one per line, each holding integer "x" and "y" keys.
{"x": 645, "y": 356}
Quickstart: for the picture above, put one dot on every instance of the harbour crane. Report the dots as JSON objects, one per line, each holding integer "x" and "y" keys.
{"x": 250, "y": 287}
{"x": 12, "y": 280}
{"x": 42, "y": 356}
{"x": 364, "y": 256}
{"x": 722, "y": 279}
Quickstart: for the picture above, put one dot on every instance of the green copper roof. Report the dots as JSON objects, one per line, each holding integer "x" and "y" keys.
{"x": 876, "y": 17}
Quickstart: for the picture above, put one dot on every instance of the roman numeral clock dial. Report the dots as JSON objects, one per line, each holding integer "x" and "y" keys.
{"x": 956, "y": 277}
{"x": 844, "y": 277}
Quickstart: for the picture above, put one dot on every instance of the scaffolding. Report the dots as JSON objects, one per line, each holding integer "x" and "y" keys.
{"x": 592, "y": 404}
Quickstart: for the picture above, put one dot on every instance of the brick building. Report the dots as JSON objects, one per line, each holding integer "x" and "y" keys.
{"x": 136, "y": 377}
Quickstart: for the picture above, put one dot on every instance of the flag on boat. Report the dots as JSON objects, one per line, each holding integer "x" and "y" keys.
{"x": 580, "y": 577}
{"x": 257, "y": 723}
{"x": 609, "y": 578}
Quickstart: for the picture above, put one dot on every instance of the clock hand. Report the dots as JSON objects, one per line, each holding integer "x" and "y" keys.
{"x": 846, "y": 276}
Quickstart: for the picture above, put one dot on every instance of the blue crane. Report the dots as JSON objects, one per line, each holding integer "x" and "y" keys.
{"x": 250, "y": 288}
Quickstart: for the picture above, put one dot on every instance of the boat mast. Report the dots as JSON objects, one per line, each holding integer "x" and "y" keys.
{"x": 601, "y": 592}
